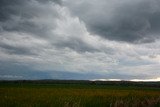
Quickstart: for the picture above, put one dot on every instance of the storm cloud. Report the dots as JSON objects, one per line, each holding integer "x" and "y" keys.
{"x": 28, "y": 16}
{"x": 130, "y": 21}
{"x": 79, "y": 39}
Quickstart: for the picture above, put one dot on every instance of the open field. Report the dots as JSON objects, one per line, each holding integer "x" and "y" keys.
{"x": 78, "y": 94}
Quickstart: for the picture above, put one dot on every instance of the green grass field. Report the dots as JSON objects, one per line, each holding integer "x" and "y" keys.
{"x": 77, "y": 95}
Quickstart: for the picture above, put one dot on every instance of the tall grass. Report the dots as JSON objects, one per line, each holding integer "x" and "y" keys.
{"x": 78, "y": 96}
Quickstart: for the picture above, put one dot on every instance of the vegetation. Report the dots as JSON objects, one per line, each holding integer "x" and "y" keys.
{"x": 78, "y": 94}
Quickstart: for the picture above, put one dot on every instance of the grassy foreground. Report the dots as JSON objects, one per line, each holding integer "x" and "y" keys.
{"x": 77, "y": 95}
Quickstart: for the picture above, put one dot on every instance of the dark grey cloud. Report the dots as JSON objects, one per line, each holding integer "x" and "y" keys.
{"x": 17, "y": 7}
{"x": 38, "y": 18}
{"x": 18, "y": 15}
{"x": 7, "y": 8}
{"x": 130, "y": 21}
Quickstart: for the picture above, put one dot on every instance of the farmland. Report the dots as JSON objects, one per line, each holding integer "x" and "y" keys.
{"x": 78, "y": 94}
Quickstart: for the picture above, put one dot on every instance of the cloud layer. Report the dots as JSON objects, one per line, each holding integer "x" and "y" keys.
{"x": 84, "y": 39}
{"x": 130, "y": 21}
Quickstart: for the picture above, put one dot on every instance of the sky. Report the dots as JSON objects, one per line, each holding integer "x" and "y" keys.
{"x": 80, "y": 39}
